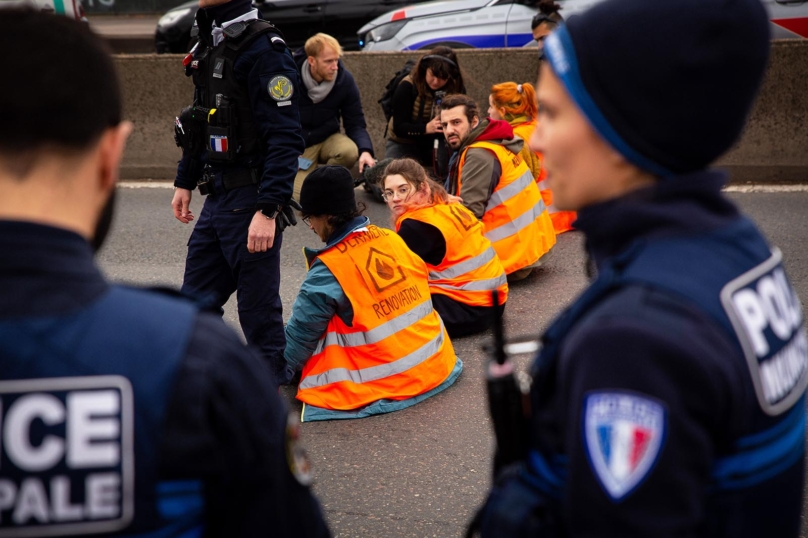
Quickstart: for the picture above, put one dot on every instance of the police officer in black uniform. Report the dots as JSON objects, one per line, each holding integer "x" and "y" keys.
{"x": 241, "y": 141}
{"x": 123, "y": 411}
{"x": 669, "y": 398}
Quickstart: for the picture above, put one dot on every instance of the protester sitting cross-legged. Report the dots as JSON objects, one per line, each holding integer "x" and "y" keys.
{"x": 463, "y": 267}
{"x": 363, "y": 329}
{"x": 414, "y": 127}
{"x": 516, "y": 104}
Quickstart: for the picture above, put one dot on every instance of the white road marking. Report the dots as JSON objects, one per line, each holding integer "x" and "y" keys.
{"x": 745, "y": 189}
{"x": 757, "y": 187}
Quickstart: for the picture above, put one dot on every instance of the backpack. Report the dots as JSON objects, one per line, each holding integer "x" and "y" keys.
{"x": 387, "y": 97}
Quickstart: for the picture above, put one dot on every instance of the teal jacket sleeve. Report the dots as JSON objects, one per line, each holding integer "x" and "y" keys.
{"x": 319, "y": 299}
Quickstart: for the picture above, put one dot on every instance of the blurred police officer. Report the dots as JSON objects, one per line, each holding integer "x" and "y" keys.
{"x": 241, "y": 143}
{"x": 669, "y": 399}
{"x": 122, "y": 410}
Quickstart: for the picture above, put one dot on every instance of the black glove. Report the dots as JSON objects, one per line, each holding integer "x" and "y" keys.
{"x": 287, "y": 215}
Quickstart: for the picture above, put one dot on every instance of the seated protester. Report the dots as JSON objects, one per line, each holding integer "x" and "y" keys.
{"x": 330, "y": 93}
{"x": 495, "y": 184}
{"x": 516, "y": 104}
{"x": 363, "y": 329}
{"x": 463, "y": 267}
{"x": 414, "y": 126}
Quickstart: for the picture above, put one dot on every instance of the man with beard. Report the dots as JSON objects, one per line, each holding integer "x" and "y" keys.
{"x": 330, "y": 96}
{"x": 122, "y": 410}
{"x": 494, "y": 182}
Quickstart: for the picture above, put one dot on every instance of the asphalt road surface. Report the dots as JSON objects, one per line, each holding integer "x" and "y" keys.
{"x": 423, "y": 471}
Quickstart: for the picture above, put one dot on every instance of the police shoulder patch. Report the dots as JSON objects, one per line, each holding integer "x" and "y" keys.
{"x": 624, "y": 433}
{"x": 280, "y": 88}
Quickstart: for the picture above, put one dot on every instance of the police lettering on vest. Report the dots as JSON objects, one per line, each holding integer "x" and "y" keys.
{"x": 67, "y": 452}
{"x": 766, "y": 314}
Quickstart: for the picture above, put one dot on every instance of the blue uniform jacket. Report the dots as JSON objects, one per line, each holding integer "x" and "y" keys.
{"x": 645, "y": 415}
{"x": 278, "y": 126}
{"x": 221, "y": 464}
{"x": 321, "y": 120}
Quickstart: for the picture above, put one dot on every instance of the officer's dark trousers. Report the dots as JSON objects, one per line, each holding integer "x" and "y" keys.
{"x": 219, "y": 264}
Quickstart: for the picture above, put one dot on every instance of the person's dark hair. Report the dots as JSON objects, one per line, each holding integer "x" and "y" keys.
{"x": 459, "y": 99}
{"x": 549, "y": 13}
{"x": 335, "y": 222}
{"x": 60, "y": 89}
{"x": 444, "y": 64}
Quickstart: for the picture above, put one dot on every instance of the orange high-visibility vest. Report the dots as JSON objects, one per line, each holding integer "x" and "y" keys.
{"x": 396, "y": 347}
{"x": 471, "y": 269}
{"x": 515, "y": 219}
{"x": 562, "y": 220}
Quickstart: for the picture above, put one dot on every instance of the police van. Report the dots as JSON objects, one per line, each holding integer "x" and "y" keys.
{"x": 506, "y": 23}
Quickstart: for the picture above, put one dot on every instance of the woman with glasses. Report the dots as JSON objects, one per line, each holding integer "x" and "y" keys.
{"x": 363, "y": 332}
{"x": 463, "y": 267}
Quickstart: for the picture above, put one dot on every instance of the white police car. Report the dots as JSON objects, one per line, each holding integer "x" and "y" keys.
{"x": 506, "y": 23}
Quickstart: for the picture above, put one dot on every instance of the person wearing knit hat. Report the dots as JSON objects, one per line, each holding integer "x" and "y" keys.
{"x": 669, "y": 398}
{"x": 363, "y": 335}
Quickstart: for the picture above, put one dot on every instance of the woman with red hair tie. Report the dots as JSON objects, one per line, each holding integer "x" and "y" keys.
{"x": 516, "y": 104}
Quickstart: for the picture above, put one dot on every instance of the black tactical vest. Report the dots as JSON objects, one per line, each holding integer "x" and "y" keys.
{"x": 231, "y": 130}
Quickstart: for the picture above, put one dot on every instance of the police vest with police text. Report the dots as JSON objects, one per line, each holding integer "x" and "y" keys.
{"x": 515, "y": 219}
{"x": 471, "y": 269}
{"x": 231, "y": 127}
{"x": 396, "y": 346}
{"x": 82, "y": 401}
{"x": 733, "y": 276}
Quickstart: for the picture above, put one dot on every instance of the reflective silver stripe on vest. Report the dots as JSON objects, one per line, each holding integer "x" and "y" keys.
{"x": 402, "y": 321}
{"x": 477, "y": 285}
{"x": 365, "y": 375}
{"x": 506, "y": 193}
{"x": 522, "y": 221}
{"x": 464, "y": 267}
{"x": 542, "y": 185}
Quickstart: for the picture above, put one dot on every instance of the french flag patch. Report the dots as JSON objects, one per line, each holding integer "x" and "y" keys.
{"x": 624, "y": 436}
{"x": 218, "y": 143}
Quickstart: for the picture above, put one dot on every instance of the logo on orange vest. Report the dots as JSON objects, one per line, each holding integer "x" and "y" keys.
{"x": 383, "y": 270}
{"x": 466, "y": 220}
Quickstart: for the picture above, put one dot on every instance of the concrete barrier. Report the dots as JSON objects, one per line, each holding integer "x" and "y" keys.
{"x": 774, "y": 146}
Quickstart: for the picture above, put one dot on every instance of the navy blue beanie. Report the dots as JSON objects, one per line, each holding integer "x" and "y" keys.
{"x": 667, "y": 83}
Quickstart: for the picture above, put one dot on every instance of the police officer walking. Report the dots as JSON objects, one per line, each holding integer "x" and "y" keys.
{"x": 241, "y": 141}
{"x": 669, "y": 398}
{"x": 123, "y": 411}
